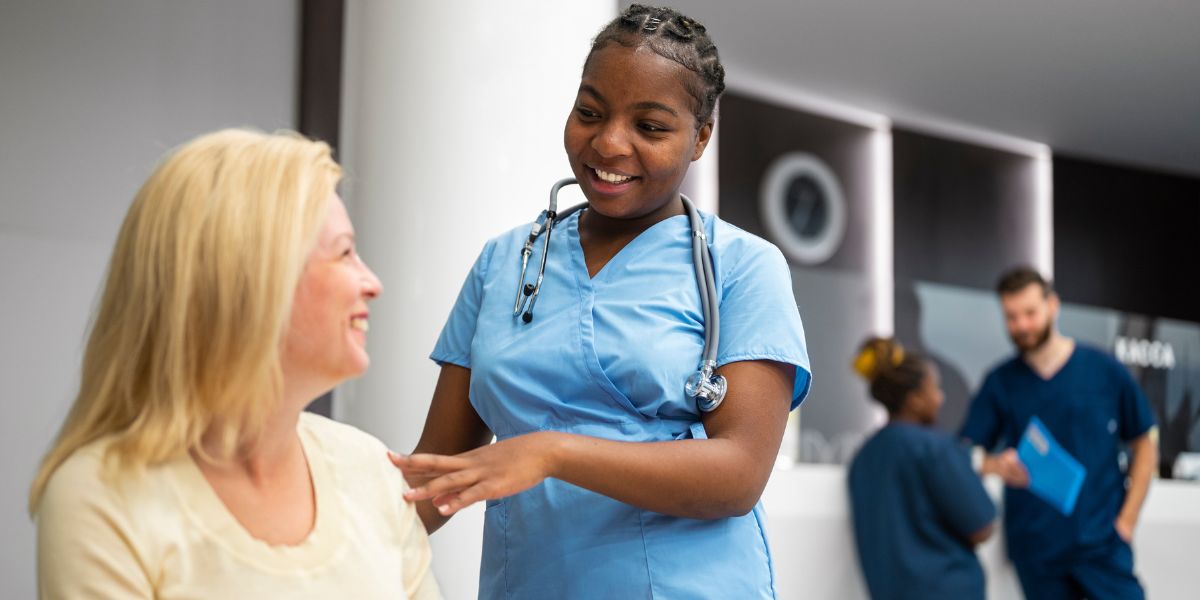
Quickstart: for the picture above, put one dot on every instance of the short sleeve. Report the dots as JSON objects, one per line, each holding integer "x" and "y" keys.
{"x": 85, "y": 544}
{"x": 957, "y": 492}
{"x": 1134, "y": 410}
{"x": 982, "y": 425}
{"x": 759, "y": 316}
{"x": 419, "y": 582}
{"x": 454, "y": 344}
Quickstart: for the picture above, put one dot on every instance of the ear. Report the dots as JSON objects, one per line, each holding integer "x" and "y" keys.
{"x": 1055, "y": 304}
{"x": 702, "y": 137}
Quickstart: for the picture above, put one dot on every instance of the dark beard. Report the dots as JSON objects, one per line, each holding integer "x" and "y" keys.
{"x": 1041, "y": 340}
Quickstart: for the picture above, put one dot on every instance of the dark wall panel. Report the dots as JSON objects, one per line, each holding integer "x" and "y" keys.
{"x": 1127, "y": 239}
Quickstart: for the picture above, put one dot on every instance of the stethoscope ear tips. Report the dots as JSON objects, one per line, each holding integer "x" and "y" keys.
{"x": 527, "y": 316}
{"x": 528, "y": 291}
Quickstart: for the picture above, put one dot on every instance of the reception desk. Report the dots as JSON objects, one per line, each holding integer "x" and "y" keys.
{"x": 811, "y": 538}
{"x": 809, "y": 528}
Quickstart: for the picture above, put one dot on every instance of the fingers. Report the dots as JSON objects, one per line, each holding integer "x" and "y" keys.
{"x": 450, "y": 483}
{"x": 449, "y": 504}
{"x": 1015, "y": 474}
{"x": 428, "y": 464}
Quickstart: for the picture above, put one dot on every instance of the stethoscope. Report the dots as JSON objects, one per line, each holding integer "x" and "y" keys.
{"x": 705, "y": 386}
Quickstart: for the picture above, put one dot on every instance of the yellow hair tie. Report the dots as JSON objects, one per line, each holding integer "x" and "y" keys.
{"x": 865, "y": 363}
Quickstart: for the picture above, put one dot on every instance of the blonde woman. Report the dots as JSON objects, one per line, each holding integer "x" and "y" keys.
{"x": 187, "y": 467}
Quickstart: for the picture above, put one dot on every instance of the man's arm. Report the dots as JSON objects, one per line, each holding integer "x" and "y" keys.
{"x": 1141, "y": 469}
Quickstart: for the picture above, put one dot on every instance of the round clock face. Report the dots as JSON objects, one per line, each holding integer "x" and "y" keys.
{"x": 803, "y": 208}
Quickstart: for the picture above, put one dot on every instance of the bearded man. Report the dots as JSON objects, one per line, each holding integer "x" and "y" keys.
{"x": 1091, "y": 405}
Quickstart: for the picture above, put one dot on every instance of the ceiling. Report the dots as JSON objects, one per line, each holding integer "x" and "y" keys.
{"x": 1111, "y": 80}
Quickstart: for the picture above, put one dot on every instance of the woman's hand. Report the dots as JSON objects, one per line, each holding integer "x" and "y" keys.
{"x": 494, "y": 471}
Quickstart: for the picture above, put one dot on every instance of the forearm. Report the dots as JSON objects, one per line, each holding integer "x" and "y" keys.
{"x": 1141, "y": 471}
{"x": 431, "y": 519}
{"x": 699, "y": 479}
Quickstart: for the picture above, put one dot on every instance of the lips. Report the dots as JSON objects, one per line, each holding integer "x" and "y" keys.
{"x": 611, "y": 177}
{"x": 608, "y": 181}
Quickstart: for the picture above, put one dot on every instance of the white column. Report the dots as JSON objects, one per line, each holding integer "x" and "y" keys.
{"x": 452, "y": 125}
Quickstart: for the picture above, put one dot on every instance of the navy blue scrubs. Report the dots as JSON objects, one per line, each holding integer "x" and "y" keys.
{"x": 915, "y": 503}
{"x": 1091, "y": 406}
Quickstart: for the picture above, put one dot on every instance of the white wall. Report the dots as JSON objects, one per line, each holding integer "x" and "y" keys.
{"x": 91, "y": 95}
{"x": 451, "y": 134}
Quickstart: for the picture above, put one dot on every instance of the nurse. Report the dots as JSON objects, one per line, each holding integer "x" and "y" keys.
{"x": 606, "y": 481}
{"x": 1093, "y": 407}
{"x": 919, "y": 509}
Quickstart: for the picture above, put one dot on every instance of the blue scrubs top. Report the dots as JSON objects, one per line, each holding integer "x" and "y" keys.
{"x": 608, "y": 357}
{"x": 916, "y": 502}
{"x": 1091, "y": 406}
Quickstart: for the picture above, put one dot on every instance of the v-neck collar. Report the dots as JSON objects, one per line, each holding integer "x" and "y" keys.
{"x": 1055, "y": 374}
{"x": 624, "y": 255}
{"x": 206, "y": 510}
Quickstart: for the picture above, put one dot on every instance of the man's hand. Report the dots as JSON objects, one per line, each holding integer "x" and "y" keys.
{"x": 1124, "y": 526}
{"x": 1008, "y": 467}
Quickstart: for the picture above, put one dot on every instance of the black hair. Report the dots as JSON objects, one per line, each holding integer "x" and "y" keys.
{"x": 675, "y": 37}
{"x": 892, "y": 372}
{"x": 1019, "y": 278}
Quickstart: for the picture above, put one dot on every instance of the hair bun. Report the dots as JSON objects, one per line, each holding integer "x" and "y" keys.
{"x": 876, "y": 356}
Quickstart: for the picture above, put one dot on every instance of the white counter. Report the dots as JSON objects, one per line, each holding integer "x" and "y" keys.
{"x": 811, "y": 538}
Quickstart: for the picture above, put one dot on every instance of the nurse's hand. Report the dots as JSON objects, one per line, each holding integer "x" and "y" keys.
{"x": 1008, "y": 467}
{"x": 487, "y": 473}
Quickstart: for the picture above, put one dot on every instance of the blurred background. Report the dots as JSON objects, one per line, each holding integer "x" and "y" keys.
{"x": 900, "y": 153}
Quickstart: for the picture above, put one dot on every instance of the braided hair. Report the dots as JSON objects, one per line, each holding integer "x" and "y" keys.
{"x": 892, "y": 372}
{"x": 675, "y": 37}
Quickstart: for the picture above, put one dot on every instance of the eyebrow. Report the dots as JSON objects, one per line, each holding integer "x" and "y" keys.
{"x": 648, "y": 105}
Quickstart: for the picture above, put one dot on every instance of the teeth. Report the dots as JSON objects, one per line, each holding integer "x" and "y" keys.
{"x": 359, "y": 323}
{"x": 611, "y": 177}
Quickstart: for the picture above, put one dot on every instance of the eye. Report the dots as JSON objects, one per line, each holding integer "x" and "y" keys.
{"x": 586, "y": 114}
{"x": 652, "y": 127}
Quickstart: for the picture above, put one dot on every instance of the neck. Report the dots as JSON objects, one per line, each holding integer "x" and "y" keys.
{"x": 278, "y": 444}
{"x": 906, "y": 417}
{"x": 1054, "y": 347}
{"x": 1048, "y": 358}
{"x": 599, "y": 225}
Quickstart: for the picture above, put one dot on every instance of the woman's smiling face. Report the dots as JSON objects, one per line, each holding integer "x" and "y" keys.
{"x": 632, "y": 133}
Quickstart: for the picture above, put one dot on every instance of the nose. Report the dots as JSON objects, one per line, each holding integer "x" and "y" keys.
{"x": 612, "y": 141}
{"x": 371, "y": 286}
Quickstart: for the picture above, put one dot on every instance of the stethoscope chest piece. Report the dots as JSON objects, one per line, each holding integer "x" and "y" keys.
{"x": 707, "y": 388}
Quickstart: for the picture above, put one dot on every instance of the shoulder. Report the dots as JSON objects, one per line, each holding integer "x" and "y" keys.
{"x": 1096, "y": 360}
{"x": 357, "y": 464}
{"x": 84, "y": 474}
{"x": 739, "y": 254}
{"x": 922, "y": 439}
{"x": 1095, "y": 356}
{"x": 90, "y": 494}
{"x": 340, "y": 441}
{"x": 92, "y": 477}
{"x": 733, "y": 242}
{"x": 1001, "y": 372}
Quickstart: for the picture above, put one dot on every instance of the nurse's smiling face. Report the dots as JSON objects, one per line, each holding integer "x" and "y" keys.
{"x": 632, "y": 132}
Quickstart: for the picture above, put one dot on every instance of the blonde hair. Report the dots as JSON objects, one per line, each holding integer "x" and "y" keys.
{"x": 197, "y": 297}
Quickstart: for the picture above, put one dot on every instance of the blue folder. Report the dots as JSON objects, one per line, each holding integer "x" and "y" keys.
{"x": 1054, "y": 475}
